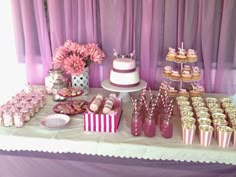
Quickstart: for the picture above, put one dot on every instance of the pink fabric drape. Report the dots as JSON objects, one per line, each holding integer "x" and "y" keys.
{"x": 147, "y": 26}
{"x": 76, "y": 21}
{"x": 32, "y": 39}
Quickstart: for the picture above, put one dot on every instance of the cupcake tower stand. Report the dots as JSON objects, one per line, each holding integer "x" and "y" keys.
{"x": 124, "y": 91}
{"x": 181, "y": 70}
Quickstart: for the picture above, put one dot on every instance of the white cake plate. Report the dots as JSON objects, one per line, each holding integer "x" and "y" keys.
{"x": 124, "y": 92}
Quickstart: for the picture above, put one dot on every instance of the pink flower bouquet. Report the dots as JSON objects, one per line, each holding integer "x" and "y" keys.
{"x": 73, "y": 58}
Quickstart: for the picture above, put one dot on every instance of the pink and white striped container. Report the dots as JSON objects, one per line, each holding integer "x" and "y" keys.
{"x": 224, "y": 136}
{"x": 188, "y": 133}
{"x": 98, "y": 122}
{"x": 205, "y": 134}
{"x": 234, "y": 136}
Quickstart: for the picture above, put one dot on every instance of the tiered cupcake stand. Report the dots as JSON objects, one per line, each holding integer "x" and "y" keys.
{"x": 181, "y": 81}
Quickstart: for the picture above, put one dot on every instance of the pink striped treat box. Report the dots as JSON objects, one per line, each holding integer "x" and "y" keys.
{"x": 98, "y": 122}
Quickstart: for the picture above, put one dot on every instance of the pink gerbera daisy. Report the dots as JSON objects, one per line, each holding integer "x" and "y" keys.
{"x": 74, "y": 65}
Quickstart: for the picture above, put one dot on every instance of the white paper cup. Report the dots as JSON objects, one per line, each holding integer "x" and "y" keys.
{"x": 205, "y": 132}
{"x": 224, "y": 136}
{"x": 188, "y": 133}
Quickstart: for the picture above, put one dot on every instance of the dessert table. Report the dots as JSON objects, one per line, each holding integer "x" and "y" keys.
{"x": 70, "y": 151}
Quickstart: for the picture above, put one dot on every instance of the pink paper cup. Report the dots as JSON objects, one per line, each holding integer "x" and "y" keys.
{"x": 224, "y": 136}
{"x": 188, "y": 133}
{"x": 234, "y": 136}
{"x": 216, "y": 123}
{"x": 205, "y": 134}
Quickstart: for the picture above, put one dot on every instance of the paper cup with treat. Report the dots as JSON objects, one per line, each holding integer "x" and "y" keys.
{"x": 201, "y": 114}
{"x": 186, "y": 113}
{"x": 188, "y": 133}
{"x": 188, "y": 120}
{"x": 218, "y": 115}
{"x": 224, "y": 136}
{"x": 197, "y": 99}
{"x": 205, "y": 134}
{"x": 204, "y": 121}
{"x": 211, "y": 100}
{"x": 234, "y": 136}
{"x": 216, "y": 123}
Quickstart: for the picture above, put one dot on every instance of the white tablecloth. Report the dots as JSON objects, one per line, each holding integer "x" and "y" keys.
{"x": 73, "y": 139}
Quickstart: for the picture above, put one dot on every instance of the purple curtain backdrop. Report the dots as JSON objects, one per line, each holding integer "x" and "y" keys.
{"x": 32, "y": 38}
{"x": 147, "y": 26}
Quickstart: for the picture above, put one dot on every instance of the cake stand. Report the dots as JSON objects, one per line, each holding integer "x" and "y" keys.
{"x": 124, "y": 92}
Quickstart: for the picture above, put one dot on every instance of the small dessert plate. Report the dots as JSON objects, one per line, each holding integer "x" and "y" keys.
{"x": 55, "y": 121}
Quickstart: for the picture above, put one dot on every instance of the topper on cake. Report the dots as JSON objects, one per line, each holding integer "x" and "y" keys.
{"x": 117, "y": 55}
{"x": 124, "y": 76}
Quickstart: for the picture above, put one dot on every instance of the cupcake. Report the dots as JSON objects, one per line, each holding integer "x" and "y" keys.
{"x": 186, "y": 68}
{"x": 194, "y": 93}
{"x": 183, "y": 92}
{"x": 186, "y": 76}
{"x": 167, "y": 71}
{"x": 181, "y": 56}
{"x": 172, "y": 91}
{"x": 191, "y": 55}
{"x": 171, "y": 54}
{"x": 195, "y": 73}
{"x": 175, "y": 75}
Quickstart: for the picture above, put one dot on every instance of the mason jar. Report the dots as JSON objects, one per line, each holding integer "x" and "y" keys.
{"x": 58, "y": 84}
{"x": 53, "y": 75}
